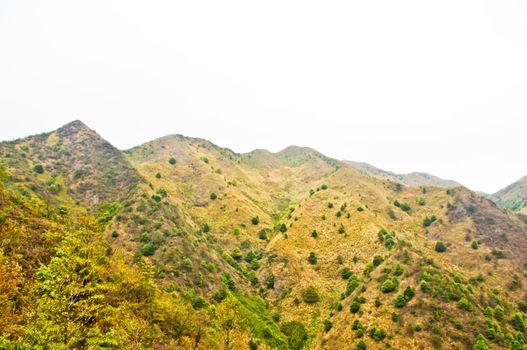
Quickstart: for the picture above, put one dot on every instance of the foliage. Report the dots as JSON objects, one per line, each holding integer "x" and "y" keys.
{"x": 172, "y": 161}
{"x": 440, "y": 247}
{"x": 310, "y": 295}
{"x": 296, "y": 334}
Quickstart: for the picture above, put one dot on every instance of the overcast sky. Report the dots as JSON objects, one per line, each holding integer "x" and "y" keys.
{"x": 435, "y": 86}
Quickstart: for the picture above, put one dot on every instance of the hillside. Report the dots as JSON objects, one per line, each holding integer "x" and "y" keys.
{"x": 205, "y": 248}
{"x": 513, "y": 197}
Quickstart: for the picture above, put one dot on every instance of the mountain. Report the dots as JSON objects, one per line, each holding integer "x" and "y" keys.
{"x": 195, "y": 246}
{"x": 513, "y": 197}
{"x": 414, "y": 179}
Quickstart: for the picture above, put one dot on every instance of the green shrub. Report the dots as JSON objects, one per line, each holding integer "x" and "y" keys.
{"x": 310, "y": 295}
{"x": 355, "y": 307}
{"x": 330, "y": 205}
{"x": 440, "y": 247}
{"x": 314, "y": 234}
{"x": 255, "y": 220}
{"x": 312, "y": 258}
{"x": 405, "y": 207}
{"x": 474, "y": 245}
{"x": 296, "y": 334}
{"x": 205, "y": 228}
{"x": 262, "y": 235}
{"x": 213, "y": 196}
{"x": 39, "y": 169}
{"x": 269, "y": 281}
{"x": 361, "y": 345}
{"x": 481, "y": 343}
{"x": 158, "y": 175}
{"x": 172, "y": 161}
{"x": 377, "y": 260}
{"x": 148, "y": 249}
{"x": 429, "y": 220}
{"x": 327, "y": 325}
{"x": 389, "y": 285}
{"x": 346, "y": 273}
{"x": 398, "y": 270}
{"x": 115, "y": 234}
{"x": 342, "y": 229}
{"x": 324, "y": 187}
{"x": 283, "y": 228}
{"x": 377, "y": 334}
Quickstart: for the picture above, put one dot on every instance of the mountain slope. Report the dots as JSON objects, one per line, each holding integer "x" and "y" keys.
{"x": 414, "y": 179}
{"x": 287, "y": 250}
{"x": 513, "y": 197}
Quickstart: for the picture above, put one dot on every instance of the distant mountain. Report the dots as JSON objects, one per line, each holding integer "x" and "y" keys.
{"x": 513, "y": 197}
{"x": 414, "y": 179}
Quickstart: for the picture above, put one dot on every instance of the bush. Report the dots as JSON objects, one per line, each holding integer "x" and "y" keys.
{"x": 330, "y": 205}
{"x": 172, "y": 161}
{"x": 474, "y": 245}
{"x": 39, "y": 169}
{"x": 377, "y": 334}
{"x": 314, "y": 234}
{"x": 405, "y": 207}
{"x": 361, "y": 345}
{"x": 429, "y": 220}
{"x": 115, "y": 234}
{"x": 269, "y": 281}
{"x": 296, "y": 334}
{"x": 327, "y": 325}
{"x": 346, "y": 273}
{"x": 440, "y": 247}
{"x": 283, "y": 228}
{"x": 377, "y": 260}
{"x": 481, "y": 343}
{"x": 213, "y": 196}
{"x": 324, "y": 187}
{"x": 310, "y": 295}
{"x": 342, "y": 229}
{"x": 158, "y": 175}
{"x": 255, "y": 220}
{"x": 262, "y": 235}
{"x": 355, "y": 307}
{"x": 389, "y": 285}
{"x": 148, "y": 249}
{"x": 400, "y": 301}
{"x": 398, "y": 271}
{"x": 312, "y": 258}
{"x": 205, "y": 228}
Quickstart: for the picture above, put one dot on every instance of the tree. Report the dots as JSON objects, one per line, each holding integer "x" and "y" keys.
{"x": 311, "y": 295}
{"x": 330, "y": 205}
{"x": 283, "y": 228}
{"x": 327, "y": 325}
{"x": 172, "y": 161}
{"x": 296, "y": 334}
{"x": 440, "y": 247}
{"x": 474, "y": 245}
{"x": 405, "y": 207}
{"x": 255, "y": 220}
{"x": 324, "y": 187}
{"x": 314, "y": 234}
{"x": 312, "y": 258}
{"x": 39, "y": 169}
{"x": 262, "y": 235}
{"x": 355, "y": 307}
{"x": 213, "y": 196}
{"x": 346, "y": 273}
{"x": 361, "y": 345}
{"x": 148, "y": 249}
{"x": 269, "y": 281}
{"x": 389, "y": 285}
{"x": 481, "y": 343}
{"x": 158, "y": 175}
{"x": 377, "y": 260}
{"x": 342, "y": 229}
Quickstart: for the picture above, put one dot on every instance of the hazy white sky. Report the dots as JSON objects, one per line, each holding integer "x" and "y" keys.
{"x": 435, "y": 86}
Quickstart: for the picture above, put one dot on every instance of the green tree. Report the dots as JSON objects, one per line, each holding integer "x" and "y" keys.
{"x": 255, "y": 220}
{"x": 440, "y": 247}
{"x": 481, "y": 343}
{"x": 314, "y": 234}
{"x": 296, "y": 334}
{"x": 361, "y": 345}
{"x": 172, "y": 161}
{"x": 39, "y": 169}
{"x": 310, "y": 295}
{"x": 283, "y": 228}
{"x": 312, "y": 258}
{"x": 213, "y": 196}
